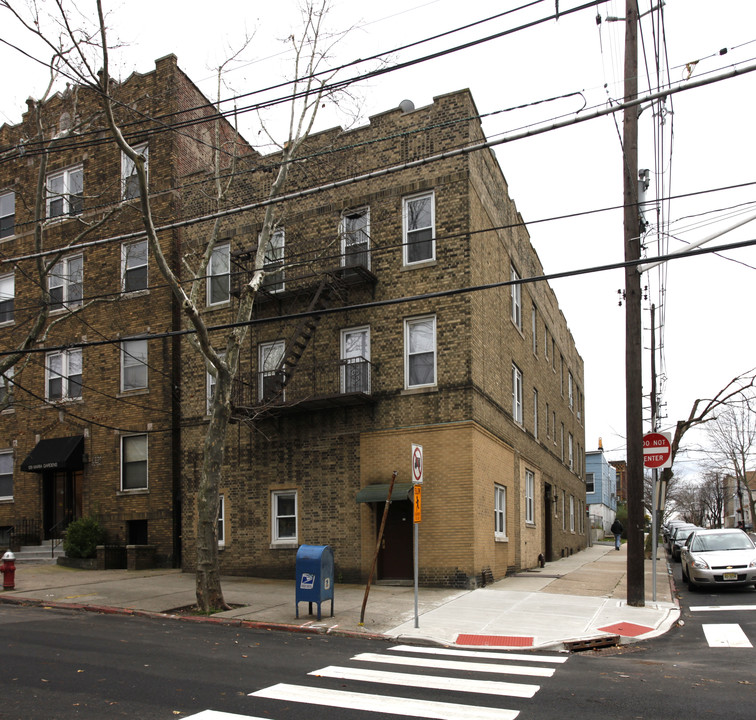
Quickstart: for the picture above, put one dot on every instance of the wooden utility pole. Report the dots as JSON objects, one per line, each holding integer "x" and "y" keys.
{"x": 633, "y": 362}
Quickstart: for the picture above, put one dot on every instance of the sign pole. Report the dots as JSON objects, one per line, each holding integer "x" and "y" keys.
{"x": 654, "y": 538}
{"x": 417, "y": 481}
{"x": 416, "y": 533}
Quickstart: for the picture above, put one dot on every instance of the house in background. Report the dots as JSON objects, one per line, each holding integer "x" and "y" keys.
{"x": 600, "y": 491}
{"x": 737, "y": 506}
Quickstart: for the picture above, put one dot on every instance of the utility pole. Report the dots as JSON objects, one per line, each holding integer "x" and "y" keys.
{"x": 633, "y": 360}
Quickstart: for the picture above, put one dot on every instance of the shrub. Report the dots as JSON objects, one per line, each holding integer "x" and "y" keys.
{"x": 82, "y": 538}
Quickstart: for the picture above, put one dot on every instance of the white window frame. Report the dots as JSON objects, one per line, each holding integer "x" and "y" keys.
{"x": 210, "y": 386}
{"x": 570, "y": 390}
{"x": 130, "y": 440}
{"x": 564, "y": 515}
{"x": 561, "y": 430}
{"x": 132, "y": 352}
{"x": 69, "y": 281}
{"x": 535, "y": 413}
{"x": 516, "y": 394}
{"x": 6, "y": 457}
{"x": 66, "y": 182}
{"x": 221, "y": 524}
{"x": 351, "y": 237}
{"x": 68, "y": 362}
{"x": 7, "y": 299}
{"x": 516, "y": 291}
{"x": 275, "y": 257}
{"x": 570, "y": 451}
{"x": 355, "y": 377}
{"x": 411, "y": 350}
{"x": 572, "y": 513}
{"x": 500, "y": 512}
{"x": 6, "y": 388}
{"x": 221, "y": 256}
{"x": 128, "y": 171}
{"x": 409, "y": 229}
{"x": 534, "y": 328}
{"x": 269, "y": 356}
{"x": 530, "y": 497}
{"x": 276, "y": 538}
{"x": 133, "y": 259}
{"x": 590, "y": 482}
{"x": 7, "y": 214}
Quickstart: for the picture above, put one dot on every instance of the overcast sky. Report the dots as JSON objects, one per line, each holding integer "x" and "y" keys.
{"x": 705, "y": 144}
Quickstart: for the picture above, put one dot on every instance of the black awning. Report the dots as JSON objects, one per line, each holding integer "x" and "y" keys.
{"x": 379, "y": 493}
{"x": 56, "y": 454}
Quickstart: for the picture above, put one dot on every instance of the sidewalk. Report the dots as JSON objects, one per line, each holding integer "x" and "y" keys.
{"x": 579, "y": 598}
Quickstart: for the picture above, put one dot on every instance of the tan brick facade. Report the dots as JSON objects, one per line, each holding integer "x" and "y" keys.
{"x": 400, "y": 355}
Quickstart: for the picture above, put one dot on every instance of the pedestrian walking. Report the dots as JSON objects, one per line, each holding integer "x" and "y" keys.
{"x": 617, "y": 532}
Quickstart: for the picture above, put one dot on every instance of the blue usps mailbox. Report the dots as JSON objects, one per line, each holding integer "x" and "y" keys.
{"x": 314, "y": 575}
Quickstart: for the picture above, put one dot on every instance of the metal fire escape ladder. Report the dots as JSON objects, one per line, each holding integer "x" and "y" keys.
{"x": 298, "y": 342}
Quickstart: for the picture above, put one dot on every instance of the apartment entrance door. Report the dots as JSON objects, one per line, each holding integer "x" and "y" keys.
{"x": 395, "y": 556}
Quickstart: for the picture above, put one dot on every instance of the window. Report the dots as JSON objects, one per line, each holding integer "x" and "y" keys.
{"x": 284, "y": 517}
{"x": 516, "y": 298}
{"x": 572, "y": 514}
{"x": 534, "y": 328}
{"x": 561, "y": 375}
{"x": 133, "y": 365}
{"x": 570, "y": 395}
{"x": 7, "y": 298}
{"x": 419, "y": 228}
{"x": 6, "y": 387}
{"x": 570, "y": 452}
{"x": 564, "y": 516}
{"x": 63, "y": 375}
{"x": 589, "y": 486}
{"x": 548, "y": 430}
{"x": 210, "y": 387}
{"x": 553, "y": 425}
{"x": 219, "y": 275}
{"x": 529, "y": 496}
{"x": 65, "y": 283}
{"x": 535, "y": 413}
{"x": 420, "y": 352}
{"x": 134, "y": 266}
{"x": 274, "y": 259}
{"x": 134, "y": 462}
{"x": 355, "y": 360}
{"x": 129, "y": 179}
{"x": 221, "y": 521}
{"x": 355, "y": 238}
{"x": 65, "y": 192}
{"x": 271, "y": 372}
{"x": 6, "y": 474}
{"x": 516, "y": 394}
{"x": 561, "y": 440}
{"x": 546, "y": 343}
{"x": 500, "y": 512}
{"x": 7, "y": 214}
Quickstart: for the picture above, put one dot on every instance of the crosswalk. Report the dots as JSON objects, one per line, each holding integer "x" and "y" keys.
{"x": 413, "y": 670}
{"x": 719, "y": 635}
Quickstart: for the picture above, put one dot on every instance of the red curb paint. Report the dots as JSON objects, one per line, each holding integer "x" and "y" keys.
{"x": 495, "y": 640}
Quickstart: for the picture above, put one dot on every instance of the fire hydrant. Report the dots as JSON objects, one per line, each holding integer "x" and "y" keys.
{"x": 8, "y": 569}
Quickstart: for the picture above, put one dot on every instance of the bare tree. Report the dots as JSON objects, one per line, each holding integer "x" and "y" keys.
{"x": 88, "y": 60}
{"x": 732, "y": 447}
{"x": 712, "y": 497}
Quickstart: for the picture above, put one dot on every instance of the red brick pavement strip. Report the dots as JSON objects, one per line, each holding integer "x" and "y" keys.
{"x": 228, "y": 622}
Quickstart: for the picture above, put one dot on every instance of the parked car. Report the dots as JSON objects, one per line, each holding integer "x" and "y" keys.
{"x": 676, "y": 542}
{"x": 674, "y": 533}
{"x": 717, "y": 558}
{"x": 669, "y": 526}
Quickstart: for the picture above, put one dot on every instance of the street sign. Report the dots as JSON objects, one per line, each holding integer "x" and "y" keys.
{"x": 417, "y": 464}
{"x": 657, "y": 450}
{"x": 418, "y": 504}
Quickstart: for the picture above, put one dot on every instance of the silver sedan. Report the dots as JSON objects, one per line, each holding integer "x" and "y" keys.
{"x": 717, "y": 558}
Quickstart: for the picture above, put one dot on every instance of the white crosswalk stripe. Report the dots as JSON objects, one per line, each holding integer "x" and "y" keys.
{"x": 432, "y": 682}
{"x": 726, "y": 635}
{"x": 384, "y": 703}
{"x": 720, "y": 608}
{"x": 457, "y": 665}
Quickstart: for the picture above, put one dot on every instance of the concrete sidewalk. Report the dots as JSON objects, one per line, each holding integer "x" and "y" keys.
{"x": 579, "y": 598}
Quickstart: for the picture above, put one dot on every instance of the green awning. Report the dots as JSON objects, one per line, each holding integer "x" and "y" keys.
{"x": 379, "y": 493}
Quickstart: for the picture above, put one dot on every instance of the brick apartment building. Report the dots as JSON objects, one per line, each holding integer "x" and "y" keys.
{"x": 361, "y": 345}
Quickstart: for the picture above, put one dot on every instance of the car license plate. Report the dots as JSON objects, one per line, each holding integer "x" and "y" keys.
{"x": 729, "y": 576}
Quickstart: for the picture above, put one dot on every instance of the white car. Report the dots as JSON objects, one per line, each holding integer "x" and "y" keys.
{"x": 718, "y": 557}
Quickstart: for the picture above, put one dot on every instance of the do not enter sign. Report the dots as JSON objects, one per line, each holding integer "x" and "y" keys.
{"x": 657, "y": 450}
